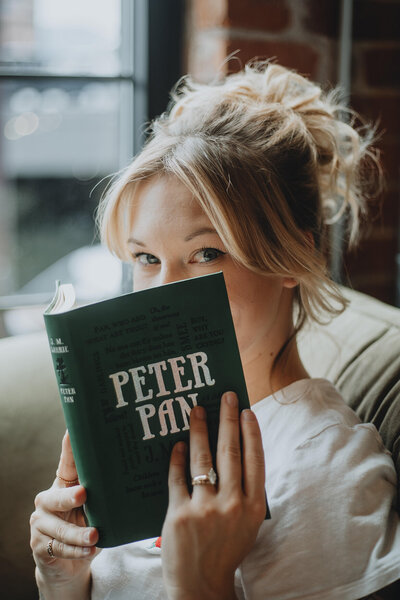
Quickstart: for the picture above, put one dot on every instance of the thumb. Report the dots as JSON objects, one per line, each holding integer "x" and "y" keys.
{"x": 66, "y": 472}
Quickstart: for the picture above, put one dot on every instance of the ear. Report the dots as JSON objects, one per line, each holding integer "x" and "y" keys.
{"x": 289, "y": 282}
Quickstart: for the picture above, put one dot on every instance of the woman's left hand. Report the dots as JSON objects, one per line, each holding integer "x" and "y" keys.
{"x": 207, "y": 535}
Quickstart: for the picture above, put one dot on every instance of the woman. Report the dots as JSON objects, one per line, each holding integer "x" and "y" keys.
{"x": 244, "y": 176}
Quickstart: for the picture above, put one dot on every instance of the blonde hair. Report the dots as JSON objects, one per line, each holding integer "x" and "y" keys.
{"x": 270, "y": 160}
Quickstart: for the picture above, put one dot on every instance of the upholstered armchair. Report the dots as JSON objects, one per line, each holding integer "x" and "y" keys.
{"x": 359, "y": 351}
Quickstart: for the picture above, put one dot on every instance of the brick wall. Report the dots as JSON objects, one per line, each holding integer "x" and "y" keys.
{"x": 303, "y": 34}
{"x": 376, "y": 94}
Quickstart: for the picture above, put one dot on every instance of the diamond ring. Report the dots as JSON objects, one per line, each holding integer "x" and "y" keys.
{"x": 209, "y": 479}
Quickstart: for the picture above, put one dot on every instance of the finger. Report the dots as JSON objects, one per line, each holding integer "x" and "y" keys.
{"x": 68, "y": 533}
{"x": 200, "y": 455}
{"x": 60, "y": 550}
{"x": 229, "y": 455}
{"x": 177, "y": 483}
{"x": 253, "y": 456}
{"x": 66, "y": 467}
{"x": 61, "y": 499}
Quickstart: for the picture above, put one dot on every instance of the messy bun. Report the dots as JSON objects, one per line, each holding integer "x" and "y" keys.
{"x": 273, "y": 163}
{"x": 298, "y": 112}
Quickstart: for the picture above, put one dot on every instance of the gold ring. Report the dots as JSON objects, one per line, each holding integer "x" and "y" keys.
{"x": 50, "y": 548}
{"x": 209, "y": 479}
{"x": 67, "y": 481}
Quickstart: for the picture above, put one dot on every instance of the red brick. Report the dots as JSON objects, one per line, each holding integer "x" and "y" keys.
{"x": 385, "y": 110}
{"x": 382, "y": 67}
{"x": 376, "y": 20}
{"x": 383, "y": 212}
{"x": 262, "y": 15}
{"x": 385, "y": 292}
{"x": 207, "y": 53}
{"x": 294, "y": 55}
{"x": 322, "y": 17}
{"x": 390, "y": 158}
{"x": 373, "y": 256}
{"x": 375, "y": 217}
{"x": 390, "y": 209}
{"x": 209, "y": 13}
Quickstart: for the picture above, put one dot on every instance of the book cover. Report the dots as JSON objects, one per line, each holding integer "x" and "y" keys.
{"x": 129, "y": 370}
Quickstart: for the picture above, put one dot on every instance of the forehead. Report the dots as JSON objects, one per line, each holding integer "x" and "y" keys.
{"x": 164, "y": 198}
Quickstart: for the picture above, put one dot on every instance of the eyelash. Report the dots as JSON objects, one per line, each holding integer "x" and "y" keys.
{"x": 219, "y": 252}
{"x": 137, "y": 255}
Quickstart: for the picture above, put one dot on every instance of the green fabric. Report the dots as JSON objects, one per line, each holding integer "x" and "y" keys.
{"x": 370, "y": 384}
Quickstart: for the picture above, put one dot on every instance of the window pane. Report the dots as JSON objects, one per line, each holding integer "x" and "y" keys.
{"x": 78, "y": 36}
{"x": 57, "y": 145}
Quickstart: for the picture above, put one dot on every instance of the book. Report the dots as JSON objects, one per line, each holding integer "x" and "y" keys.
{"x": 129, "y": 370}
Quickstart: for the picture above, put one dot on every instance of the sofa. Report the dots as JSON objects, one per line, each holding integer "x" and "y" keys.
{"x": 359, "y": 351}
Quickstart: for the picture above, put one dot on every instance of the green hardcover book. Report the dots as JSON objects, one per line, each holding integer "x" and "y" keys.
{"x": 129, "y": 371}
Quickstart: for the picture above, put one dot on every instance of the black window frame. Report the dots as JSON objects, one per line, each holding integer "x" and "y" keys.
{"x": 152, "y": 40}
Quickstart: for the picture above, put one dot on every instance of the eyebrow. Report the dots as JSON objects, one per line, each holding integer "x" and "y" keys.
{"x": 188, "y": 238}
{"x": 198, "y": 232}
{"x": 137, "y": 242}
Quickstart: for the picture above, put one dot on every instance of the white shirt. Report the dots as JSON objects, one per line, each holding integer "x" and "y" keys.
{"x": 331, "y": 486}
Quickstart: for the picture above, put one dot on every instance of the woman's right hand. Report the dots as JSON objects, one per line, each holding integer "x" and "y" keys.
{"x": 59, "y": 517}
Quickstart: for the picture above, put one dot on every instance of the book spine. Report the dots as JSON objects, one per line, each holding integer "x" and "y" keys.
{"x": 65, "y": 351}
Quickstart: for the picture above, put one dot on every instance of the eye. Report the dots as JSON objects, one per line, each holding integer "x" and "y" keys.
{"x": 145, "y": 259}
{"x": 207, "y": 255}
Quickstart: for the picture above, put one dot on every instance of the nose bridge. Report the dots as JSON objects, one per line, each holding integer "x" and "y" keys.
{"x": 171, "y": 272}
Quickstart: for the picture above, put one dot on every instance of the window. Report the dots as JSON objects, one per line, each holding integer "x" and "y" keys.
{"x": 66, "y": 123}
{"x": 78, "y": 80}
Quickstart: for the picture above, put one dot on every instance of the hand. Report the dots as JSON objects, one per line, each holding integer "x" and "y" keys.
{"x": 206, "y": 536}
{"x": 59, "y": 517}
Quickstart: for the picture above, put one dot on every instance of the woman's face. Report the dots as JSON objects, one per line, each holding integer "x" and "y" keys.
{"x": 172, "y": 239}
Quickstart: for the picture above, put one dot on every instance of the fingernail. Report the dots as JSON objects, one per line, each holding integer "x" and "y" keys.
{"x": 248, "y": 415}
{"x": 181, "y": 447}
{"x": 231, "y": 399}
{"x": 86, "y": 537}
{"x": 86, "y": 550}
{"x": 200, "y": 413}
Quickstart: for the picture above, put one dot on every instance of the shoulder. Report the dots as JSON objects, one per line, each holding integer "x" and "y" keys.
{"x": 314, "y": 441}
{"x": 301, "y": 412}
{"x": 330, "y": 486}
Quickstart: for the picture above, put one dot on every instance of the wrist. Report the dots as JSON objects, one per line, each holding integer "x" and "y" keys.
{"x": 221, "y": 590}
{"x": 63, "y": 588}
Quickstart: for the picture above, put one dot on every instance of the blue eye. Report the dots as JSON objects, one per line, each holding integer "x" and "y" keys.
{"x": 145, "y": 259}
{"x": 207, "y": 255}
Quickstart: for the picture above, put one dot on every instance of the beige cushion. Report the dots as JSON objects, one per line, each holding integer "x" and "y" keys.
{"x": 359, "y": 352}
{"x": 31, "y": 428}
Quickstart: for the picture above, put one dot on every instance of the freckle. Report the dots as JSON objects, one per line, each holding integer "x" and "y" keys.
{"x": 271, "y": 353}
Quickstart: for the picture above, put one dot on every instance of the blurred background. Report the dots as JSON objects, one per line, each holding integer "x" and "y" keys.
{"x": 79, "y": 80}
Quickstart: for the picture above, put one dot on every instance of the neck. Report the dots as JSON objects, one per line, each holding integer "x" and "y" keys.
{"x": 263, "y": 377}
